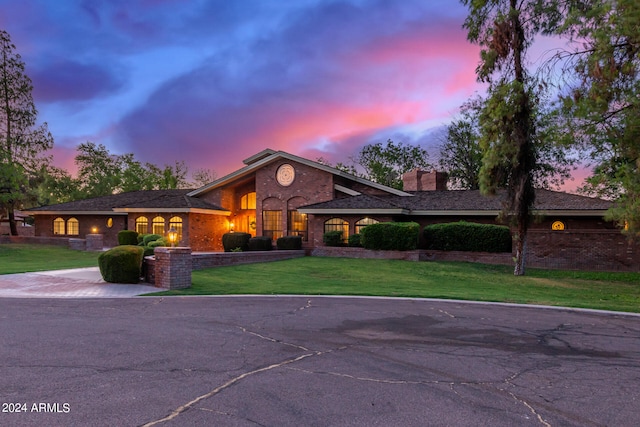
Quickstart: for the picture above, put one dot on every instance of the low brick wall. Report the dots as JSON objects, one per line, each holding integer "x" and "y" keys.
{"x": 203, "y": 260}
{"x": 415, "y": 255}
{"x": 55, "y": 241}
{"x": 22, "y": 231}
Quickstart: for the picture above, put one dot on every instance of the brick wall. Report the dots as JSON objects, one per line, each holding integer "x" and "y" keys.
{"x": 22, "y": 230}
{"x": 172, "y": 268}
{"x": 86, "y": 223}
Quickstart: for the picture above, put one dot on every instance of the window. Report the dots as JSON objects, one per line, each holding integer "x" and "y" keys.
{"x": 337, "y": 224}
{"x": 109, "y": 222}
{"x": 58, "y": 226}
{"x": 363, "y": 223}
{"x": 176, "y": 223}
{"x": 272, "y": 224}
{"x": 73, "y": 227}
{"x": 298, "y": 224}
{"x": 557, "y": 226}
{"x": 142, "y": 225}
{"x": 248, "y": 201}
{"x": 157, "y": 225}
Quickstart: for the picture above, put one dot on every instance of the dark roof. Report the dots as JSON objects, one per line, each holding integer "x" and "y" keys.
{"x": 462, "y": 200}
{"x": 144, "y": 199}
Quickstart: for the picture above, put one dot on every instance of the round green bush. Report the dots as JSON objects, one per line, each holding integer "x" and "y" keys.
{"x": 157, "y": 243}
{"x": 289, "y": 243}
{"x": 260, "y": 243}
{"x": 150, "y": 238}
{"x": 390, "y": 236}
{"x": 149, "y": 251}
{"x": 122, "y": 264}
{"x": 354, "y": 241}
{"x": 232, "y": 241}
{"x": 468, "y": 236}
{"x": 333, "y": 238}
{"x": 127, "y": 237}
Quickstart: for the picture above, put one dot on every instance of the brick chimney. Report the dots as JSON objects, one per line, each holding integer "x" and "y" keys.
{"x": 418, "y": 180}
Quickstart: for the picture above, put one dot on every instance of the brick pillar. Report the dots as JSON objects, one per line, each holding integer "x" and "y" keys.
{"x": 173, "y": 268}
{"x": 94, "y": 242}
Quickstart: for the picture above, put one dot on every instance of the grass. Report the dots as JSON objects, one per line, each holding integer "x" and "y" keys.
{"x": 19, "y": 258}
{"x": 341, "y": 276}
{"x": 451, "y": 280}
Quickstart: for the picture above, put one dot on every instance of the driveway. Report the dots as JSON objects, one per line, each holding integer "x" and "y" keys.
{"x": 73, "y": 283}
{"x": 314, "y": 361}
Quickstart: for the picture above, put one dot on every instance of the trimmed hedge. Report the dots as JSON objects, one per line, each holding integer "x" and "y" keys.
{"x": 390, "y": 236}
{"x": 289, "y": 243}
{"x": 354, "y": 241}
{"x": 122, "y": 264}
{"x": 156, "y": 243}
{"x": 231, "y": 241}
{"x": 468, "y": 236}
{"x": 150, "y": 238}
{"x": 332, "y": 238}
{"x": 127, "y": 237}
{"x": 260, "y": 243}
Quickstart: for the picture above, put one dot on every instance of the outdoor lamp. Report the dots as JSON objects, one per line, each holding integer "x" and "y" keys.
{"x": 231, "y": 226}
{"x": 173, "y": 236}
{"x": 94, "y": 230}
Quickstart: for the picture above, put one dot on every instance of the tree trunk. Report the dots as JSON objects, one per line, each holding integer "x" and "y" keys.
{"x": 12, "y": 221}
{"x": 521, "y": 252}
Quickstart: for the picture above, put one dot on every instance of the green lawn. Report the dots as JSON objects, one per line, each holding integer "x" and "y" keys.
{"x": 341, "y": 276}
{"x": 465, "y": 281}
{"x": 18, "y": 258}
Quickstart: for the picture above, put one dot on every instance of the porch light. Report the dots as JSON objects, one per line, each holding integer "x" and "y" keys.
{"x": 173, "y": 236}
{"x": 94, "y": 230}
{"x": 231, "y": 226}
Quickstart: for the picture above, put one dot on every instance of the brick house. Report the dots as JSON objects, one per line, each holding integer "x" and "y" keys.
{"x": 277, "y": 194}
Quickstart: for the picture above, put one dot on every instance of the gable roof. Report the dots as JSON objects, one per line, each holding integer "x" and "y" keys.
{"x": 459, "y": 202}
{"x": 269, "y": 156}
{"x": 134, "y": 201}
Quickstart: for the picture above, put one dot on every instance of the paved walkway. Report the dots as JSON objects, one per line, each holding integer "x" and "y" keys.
{"x": 74, "y": 283}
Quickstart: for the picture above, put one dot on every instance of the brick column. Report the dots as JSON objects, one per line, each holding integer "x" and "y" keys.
{"x": 94, "y": 242}
{"x": 173, "y": 268}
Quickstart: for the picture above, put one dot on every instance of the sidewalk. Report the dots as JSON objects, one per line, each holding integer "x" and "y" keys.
{"x": 75, "y": 283}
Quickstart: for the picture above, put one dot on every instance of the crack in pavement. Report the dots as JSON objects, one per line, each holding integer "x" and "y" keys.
{"x": 175, "y": 413}
{"x": 299, "y": 347}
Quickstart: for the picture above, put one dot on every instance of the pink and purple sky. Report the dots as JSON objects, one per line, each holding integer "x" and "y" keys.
{"x": 212, "y": 82}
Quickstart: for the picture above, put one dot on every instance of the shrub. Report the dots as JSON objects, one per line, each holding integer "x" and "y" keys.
{"x": 289, "y": 243}
{"x": 148, "y": 251}
{"x": 390, "y": 236}
{"x": 231, "y": 241}
{"x": 148, "y": 238}
{"x": 260, "y": 243}
{"x": 354, "y": 241}
{"x": 332, "y": 238}
{"x": 141, "y": 238}
{"x": 468, "y": 236}
{"x": 122, "y": 264}
{"x": 127, "y": 237}
{"x": 156, "y": 243}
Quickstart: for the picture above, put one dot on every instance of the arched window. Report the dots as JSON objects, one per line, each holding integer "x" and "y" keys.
{"x": 337, "y": 224}
{"x": 363, "y": 223}
{"x": 73, "y": 227}
{"x": 58, "y": 226}
{"x": 175, "y": 222}
{"x": 157, "y": 225}
{"x": 248, "y": 201}
{"x": 142, "y": 225}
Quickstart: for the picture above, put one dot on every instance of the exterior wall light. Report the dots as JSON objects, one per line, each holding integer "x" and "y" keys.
{"x": 173, "y": 236}
{"x": 94, "y": 230}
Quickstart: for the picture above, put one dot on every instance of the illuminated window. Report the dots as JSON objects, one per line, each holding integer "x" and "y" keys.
{"x": 176, "y": 223}
{"x": 109, "y": 222}
{"x": 363, "y": 223}
{"x": 142, "y": 225}
{"x": 298, "y": 224}
{"x": 73, "y": 228}
{"x": 272, "y": 224}
{"x": 557, "y": 226}
{"x": 58, "y": 226}
{"x": 337, "y": 224}
{"x": 248, "y": 201}
{"x": 157, "y": 226}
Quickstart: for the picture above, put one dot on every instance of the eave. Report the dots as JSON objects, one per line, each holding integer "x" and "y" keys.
{"x": 173, "y": 210}
{"x": 111, "y": 212}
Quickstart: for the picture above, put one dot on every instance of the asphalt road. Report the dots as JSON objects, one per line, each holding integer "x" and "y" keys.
{"x": 313, "y": 361}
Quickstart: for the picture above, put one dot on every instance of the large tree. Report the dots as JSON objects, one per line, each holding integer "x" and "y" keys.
{"x": 600, "y": 100}
{"x": 504, "y": 29}
{"x": 461, "y": 154}
{"x": 385, "y": 164}
{"x": 22, "y": 142}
